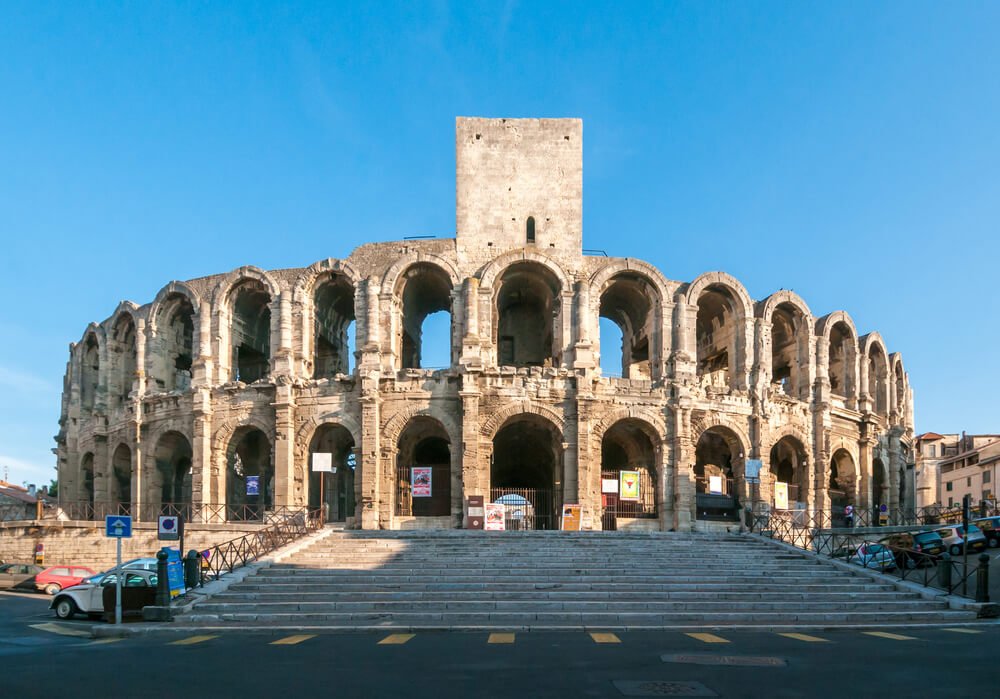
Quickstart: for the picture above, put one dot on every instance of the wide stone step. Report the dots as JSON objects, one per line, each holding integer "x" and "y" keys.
{"x": 575, "y": 606}
{"x": 593, "y": 619}
{"x": 698, "y": 586}
{"x": 565, "y": 595}
{"x": 534, "y": 577}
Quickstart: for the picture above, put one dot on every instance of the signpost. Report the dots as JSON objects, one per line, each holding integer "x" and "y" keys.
{"x": 118, "y": 527}
{"x": 477, "y": 512}
{"x": 323, "y": 464}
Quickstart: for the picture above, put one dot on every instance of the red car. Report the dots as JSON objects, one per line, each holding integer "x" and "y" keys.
{"x": 56, "y": 578}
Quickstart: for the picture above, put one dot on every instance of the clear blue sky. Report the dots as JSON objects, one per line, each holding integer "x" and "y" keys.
{"x": 848, "y": 151}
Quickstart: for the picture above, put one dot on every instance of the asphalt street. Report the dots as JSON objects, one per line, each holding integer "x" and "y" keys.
{"x": 38, "y": 658}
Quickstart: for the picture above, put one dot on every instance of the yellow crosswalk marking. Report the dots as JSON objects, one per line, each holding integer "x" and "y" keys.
{"x": 707, "y": 638}
{"x": 191, "y": 640}
{"x": 292, "y": 640}
{"x": 959, "y": 630}
{"x": 890, "y": 636}
{"x": 501, "y": 638}
{"x": 805, "y": 637}
{"x": 61, "y": 630}
{"x": 396, "y": 639}
{"x": 605, "y": 638}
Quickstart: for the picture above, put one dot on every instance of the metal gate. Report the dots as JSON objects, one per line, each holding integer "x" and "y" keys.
{"x": 614, "y": 507}
{"x": 526, "y": 508}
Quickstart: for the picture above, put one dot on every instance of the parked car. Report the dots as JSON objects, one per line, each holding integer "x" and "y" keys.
{"x": 990, "y": 527}
{"x": 138, "y": 589}
{"x": 874, "y": 556}
{"x": 13, "y": 575}
{"x": 914, "y": 549}
{"x": 56, "y": 578}
{"x": 134, "y": 564}
{"x": 952, "y": 538}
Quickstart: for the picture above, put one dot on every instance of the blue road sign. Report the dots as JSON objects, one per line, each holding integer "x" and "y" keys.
{"x": 883, "y": 508}
{"x": 118, "y": 526}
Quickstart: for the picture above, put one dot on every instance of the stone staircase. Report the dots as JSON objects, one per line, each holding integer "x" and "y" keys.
{"x": 535, "y": 580}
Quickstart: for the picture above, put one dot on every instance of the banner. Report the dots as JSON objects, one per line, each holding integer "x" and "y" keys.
{"x": 628, "y": 485}
{"x": 253, "y": 485}
{"x": 420, "y": 481}
{"x": 780, "y": 496}
{"x": 570, "y": 518}
{"x": 495, "y": 517}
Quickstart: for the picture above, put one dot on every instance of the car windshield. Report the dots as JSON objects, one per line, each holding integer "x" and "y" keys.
{"x": 874, "y": 548}
{"x": 927, "y": 538}
{"x": 973, "y": 529}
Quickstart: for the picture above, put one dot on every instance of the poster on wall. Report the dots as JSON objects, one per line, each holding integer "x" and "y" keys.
{"x": 570, "y": 518}
{"x": 715, "y": 485}
{"x": 780, "y": 496}
{"x": 495, "y": 517}
{"x": 420, "y": 481}
{"x": 253, "y": 485}
{"x": 628, "y": 485}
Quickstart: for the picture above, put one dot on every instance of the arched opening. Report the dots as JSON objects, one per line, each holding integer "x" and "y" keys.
{"x": 842, "y": 360}
{"x": 123, "y": 358}
{"x": 173, "y": 350}
{"x": 121, "y": 473}
{"x": 172, "y": 475}
{"x": 530, "y": 231}
{"x": 90, "y": 373}
{"x": 628, "y": 301}
{"x": 251, "y": 332}
{"x": 789, "y": 352}
{"x": 789, "y": 465}
{"x": 880, "y": 487}
{"x": 629, "y": 457}
{"x": 425, "y": 296}
{"x": 423, "y": 470}
{"x": 716, "y": 335}
{"x": 249, "y": 475}
{"x": 842, "y": 485}
{"x": 527, "y": 316}
{"x": 87, "y": 482}
{"x": 333, "y": 335}
{"x": 526, "y": 472}
{"x": 878, "y": 376}
{"x": 334, "y": 489}
{"x": 717, "y": 454}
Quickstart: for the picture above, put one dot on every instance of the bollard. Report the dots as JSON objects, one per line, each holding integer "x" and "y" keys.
{"x": 944, "y": 571}
{"x": 162, "y": 584}
{"x": 192, "y": 570}
{"x": 983, "y": 578}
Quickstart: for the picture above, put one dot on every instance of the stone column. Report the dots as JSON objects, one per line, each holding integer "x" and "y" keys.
{"x": 684, "y": 456}
{"x": 471, "y": 342}
{"x": 369, "y": 462}
{"x": 206, "y": 477}
{"x": 285, "y": 492}
{"x": 474, "y": 481}
{"x": 139, "y": 382}
{"x": 583, "y": 349}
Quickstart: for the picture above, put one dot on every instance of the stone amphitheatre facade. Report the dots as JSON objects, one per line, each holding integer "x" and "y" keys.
{"x": 177, "y": 403}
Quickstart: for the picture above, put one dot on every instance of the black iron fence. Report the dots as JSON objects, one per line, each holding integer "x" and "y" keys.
{"x": 526, "y": 508}
{"x": 966, "y": 575}
{"x": 190, "y": 512}
{"x": 235, "y": 553}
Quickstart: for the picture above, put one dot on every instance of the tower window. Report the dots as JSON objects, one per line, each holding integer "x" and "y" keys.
{"x": 531, "y": 230}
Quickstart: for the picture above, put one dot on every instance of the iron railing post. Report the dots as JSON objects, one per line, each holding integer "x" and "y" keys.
{"x": 983, "y": 578}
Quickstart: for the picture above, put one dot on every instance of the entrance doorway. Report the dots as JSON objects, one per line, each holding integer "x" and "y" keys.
{"x": 526, "y": 473}
{"x": 337, "y": 493}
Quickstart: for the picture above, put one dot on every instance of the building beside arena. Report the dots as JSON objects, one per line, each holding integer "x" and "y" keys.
{"x": 211, "y": 399}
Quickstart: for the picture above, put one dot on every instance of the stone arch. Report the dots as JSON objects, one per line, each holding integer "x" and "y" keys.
{"x": 426, "y": 441}
{"x": 394, "y": 426}
{"x": 825, "y": 324}
{"x": 654, "y": 422}
{"x": 222, "y": 294}
{"x": 391, "y": 280}
{"x": 337, "y": 491}
{"x": 85, "y": 482}
{"x": 696, "y": 288}
{"x": 489, "y": 427}
{"x": 794, "y": 443}
{"x": 91, "y": 353}
{"x": 493, "y": 270}
{"x": 766, "y": 308}
{"x": 843, "y": 487}
{"x": 841, "y": 353}
{"x": 875, "y": 356}
{"x": 725, "y": 426}
{"x": 790, "y": 327}
{"x": 308, "y": 279}
{"x": 606, "y": 272}
{"x": 307, "y": 430}
{"x": 223, "y": 435}
{"x": 163, "y": 298}
{"x": 897, "y": 377}
{"x": 120, "y": 474}
{"x": 123, "y": 352}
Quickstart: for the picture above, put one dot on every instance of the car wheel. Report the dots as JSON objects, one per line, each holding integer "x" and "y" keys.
{"x": 955, "y": 550}
{"x": 65, "y": 608}
{"x": 52, "y": 588}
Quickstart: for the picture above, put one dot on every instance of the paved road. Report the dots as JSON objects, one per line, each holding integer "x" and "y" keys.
{"x": 922, "y": 662}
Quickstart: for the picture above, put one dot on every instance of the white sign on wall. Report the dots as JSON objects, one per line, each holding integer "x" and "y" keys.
{"x": 609, "y": 485}
{"x": 715, "y": 485}
{"x": 322, "y": 462}
{"x": 780, "y": 496}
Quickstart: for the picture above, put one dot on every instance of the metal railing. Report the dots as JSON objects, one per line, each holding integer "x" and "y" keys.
{"x": 236, "y": 553}
{"x": 190, "y": 512}
{"x": 526, "y": 508}
{"x": 962, "y": 576}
